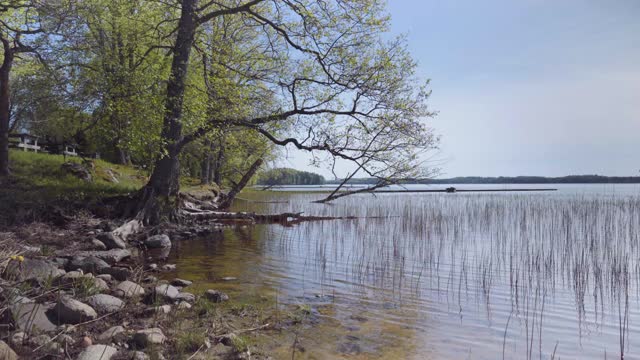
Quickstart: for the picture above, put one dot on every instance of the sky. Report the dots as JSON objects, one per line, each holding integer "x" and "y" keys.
{"x": 526, "y": 87}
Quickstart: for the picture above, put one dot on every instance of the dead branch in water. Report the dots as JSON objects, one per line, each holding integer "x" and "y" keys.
{"x": 252, "y": 218}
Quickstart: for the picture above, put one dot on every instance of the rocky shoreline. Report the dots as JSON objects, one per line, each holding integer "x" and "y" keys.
{"x": 99, "y": 297}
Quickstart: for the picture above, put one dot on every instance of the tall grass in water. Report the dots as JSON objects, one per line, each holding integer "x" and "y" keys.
{"x": 464, "y": 248}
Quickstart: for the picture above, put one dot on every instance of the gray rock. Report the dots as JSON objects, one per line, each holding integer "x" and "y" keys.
{"x": 19, "y": 299}
{"x": 183, "y": 305}
{"x": 158, "y": 241}
{"x": 118, "y": 273}
{"x": 153, "y": 267}
{"x": 71, "y": 311}
{"x": 100, "y": 284}
{"x": 97, "y": 352}
{"x": 110, "y": 333}
{"x": 181, "y": 282}
{"x": 169, "y": 267}
{"x": 156, "y": 310}
{"x": 105, "y": 277}
{"x": 139, "y": 355}
{"x": 98, "y": 245}
{"x": 104, "y": 303}
{"x": 40, "y": 340}
{"x": 18, "y": 338}
{"x": 110, "y": 176}
{"x": 72, "y": 275}
{"x": 150, "y": 279}
{"x": 32, "y": 269}
{"x": 216, "y": 296}
{"x": 6, "y": 353}
{"x": 112, "y": 241}
{"x": 32, "y": 317}
{"x": 65, "y": 339}
{"x": 166, "y": 292}
{"x": 88, "y": 264}
{"x": 77, "y": 170}
{"x": 186, "y": 296}
{"x": 129, "y": 289}
{"x": 110, "y": 256}
{"x": 146, "y": 337}
{"x": 60, "y": 261}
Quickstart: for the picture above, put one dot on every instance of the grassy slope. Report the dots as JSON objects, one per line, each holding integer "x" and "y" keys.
{"x": 38, "y": 182}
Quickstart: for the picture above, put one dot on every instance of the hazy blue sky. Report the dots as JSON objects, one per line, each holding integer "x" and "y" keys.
{"x": 528, "y": 87}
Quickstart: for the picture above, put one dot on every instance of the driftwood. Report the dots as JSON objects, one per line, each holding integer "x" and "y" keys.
{"x": 252, "y": 218}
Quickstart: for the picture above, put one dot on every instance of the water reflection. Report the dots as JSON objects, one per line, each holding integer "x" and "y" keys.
{"x": 442, "y": 276}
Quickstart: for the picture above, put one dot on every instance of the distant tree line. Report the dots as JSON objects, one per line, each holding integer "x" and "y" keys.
{"x": 286, "y": 176}
{"x": 571, "y": 179}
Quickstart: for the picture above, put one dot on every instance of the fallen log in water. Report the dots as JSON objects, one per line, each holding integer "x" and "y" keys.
{"x": 245, "y": 217}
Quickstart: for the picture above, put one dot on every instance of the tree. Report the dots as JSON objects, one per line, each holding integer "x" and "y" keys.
{"x": 115, "y": 59}
{"x": 19, "y": 20}
{"x": 159, "y": 198}
{"x": 335, "y": 87}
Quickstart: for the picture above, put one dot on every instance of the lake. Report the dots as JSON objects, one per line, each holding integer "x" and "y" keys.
{"x": 443, "y": 276}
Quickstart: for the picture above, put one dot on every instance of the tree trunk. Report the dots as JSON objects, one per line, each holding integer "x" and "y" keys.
{"x": 159, "y": 198}
{"x": 5, "y": 100}
{"x": 205, "y": 174}
{"x": 228, "y": 199}
{"x": 216, "y": 169}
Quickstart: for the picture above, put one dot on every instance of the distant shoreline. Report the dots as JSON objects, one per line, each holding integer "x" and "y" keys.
{"x": 571, "y": 179}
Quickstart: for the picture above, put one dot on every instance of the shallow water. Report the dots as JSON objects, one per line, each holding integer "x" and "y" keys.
{"x": 478, "y": 276}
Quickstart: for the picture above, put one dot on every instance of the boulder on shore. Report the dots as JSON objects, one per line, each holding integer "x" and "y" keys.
{"x": 6, "y": 353}
{"x": 32, "y": 269}
{"x": 97, "y": 352}
{"x": 129, "y": 289}
{"x": 166, "y": 292}
{"x": 104, "y": 303}
{"x": 88, "y": 264}
{"x": 71, "y": 311}
{"x": 108, "y": 335}
{"x": 146, "y": 337}
{"x": 158, "y": 241}
{"x": 32, "y": 317}
{"x": 110, "y": 256}
{"x": 111, "y": 241}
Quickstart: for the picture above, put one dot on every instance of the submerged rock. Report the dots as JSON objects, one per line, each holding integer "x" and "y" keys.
{"x": 157, "y": 242}
{"x": 216, "y": 296}
{"x": 181, "y": 282}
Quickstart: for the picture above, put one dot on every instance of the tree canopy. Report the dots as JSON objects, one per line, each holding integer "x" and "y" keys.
{"x": 211, "y": 88}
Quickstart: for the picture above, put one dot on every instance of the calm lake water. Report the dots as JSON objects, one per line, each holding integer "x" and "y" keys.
{"x": 444, "y": 276}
